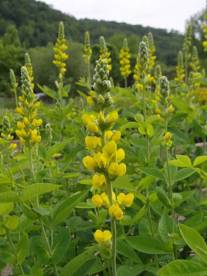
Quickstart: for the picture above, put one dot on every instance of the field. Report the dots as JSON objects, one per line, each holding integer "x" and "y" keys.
{"x": 108, "y": 179}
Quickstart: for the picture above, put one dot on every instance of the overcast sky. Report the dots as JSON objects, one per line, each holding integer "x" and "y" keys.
{"x": 169, "y": 14}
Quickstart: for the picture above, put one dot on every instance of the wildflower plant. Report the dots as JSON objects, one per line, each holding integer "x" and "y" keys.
{"x": 87, "y": 53}
{"x": 106, "y": 161}
{"x": 125, "y": 66}
{"x": 104, "y": 53}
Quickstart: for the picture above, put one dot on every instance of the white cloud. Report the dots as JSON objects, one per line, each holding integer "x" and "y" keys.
{"x": 170, "y": 14}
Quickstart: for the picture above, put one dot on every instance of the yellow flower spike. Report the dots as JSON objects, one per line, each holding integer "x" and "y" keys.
{"x": 100, "y": 160}
{"x": 102, "y": 237}
{"x": 110, "y": 148}
{"x": 20, "y": 125}
{"x": 112, "y": 117}
{"x": 92, "y": 142}
{"x": 171, "y": 109}
{"x": 105, "y": 199}
{"x": 120, "y": 155}
{"x": 97, "y": 201}
{"x": 108, "y": 135}
{"x": 116, "y": 136}
{"x": 116, "y": 211}
{"x": 98, "y": 180}
{"x": 89, "y": 162}
{"x": 21, "y": 133}
{"x": 92, "y": 126}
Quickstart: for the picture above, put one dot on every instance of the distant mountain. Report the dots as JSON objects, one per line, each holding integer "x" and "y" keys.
{"x": 37, "y": 25}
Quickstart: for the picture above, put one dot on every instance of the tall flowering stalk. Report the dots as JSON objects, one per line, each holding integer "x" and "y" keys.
{"x": 104, "y": 53}
{"x": 124, "y": 59}
{"x": 187, "y": 49}
{"x": 87, "y": 53}
{"x": 14, "y": 85}
{"x": 28, "y": 124}
{"x": 60, "y": 58}
{"x": 180, "y": 70}
{"x": 105, "y": 160}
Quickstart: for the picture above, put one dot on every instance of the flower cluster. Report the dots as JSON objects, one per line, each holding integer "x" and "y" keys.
{"x": 105, "y": 54}
{"x": 60, "y": 55}
{"x": 180, "y": 70}
{"x": 87, "y": 51}
{"x": 124, "y": 55}
{"x": 6, "y": 137}
{"x": 28, "y": 123}
{"x": 105, "y": 160}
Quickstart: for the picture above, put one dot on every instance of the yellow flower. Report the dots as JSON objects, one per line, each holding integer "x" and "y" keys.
{"x": 171, "y": 109}
{"x": 125, "y": 199}
{"x": 87, "y": 118}
{"x": 116, "y": 211}
{"x": 26, "y": 121}
{"x": 89, "y": 100}
{"x": 21, "y": 133}
{"x": 20, "y": 125}
{"x": 97, "y": 201}
{"x": 110, "y": 148}
{"x": 92, "y": 126}
{"x": 100, "y": 159}
{"x": 107, "y": 135}
{"x": 112, "y": 117}
{"x": 102, "y": 236}
{"x": 92, "y": 142}
{"x": 89, "y": 162}
{"x": 20, "y": 110}
{"x": 168, "y": 136}
{"x": 37, "y": 122}
{"x": 117, "y": 169}
{"x": 13, "y": 146}
{"x": 120, "y": 155}
{"x": 98, "y": 180}
{"x": 35, "y": 138}
{"x": 116, "y": 136}
{"x": 105, "y": 199}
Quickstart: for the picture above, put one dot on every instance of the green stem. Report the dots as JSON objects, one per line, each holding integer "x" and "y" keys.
{"x": 113, "y": 229}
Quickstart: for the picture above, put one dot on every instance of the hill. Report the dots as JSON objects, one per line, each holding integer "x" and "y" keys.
{"x": 37, "y": 25}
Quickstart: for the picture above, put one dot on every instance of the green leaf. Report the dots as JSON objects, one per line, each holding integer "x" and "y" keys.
{"x": 22, "y": 248}
{"x": 34, "y": 190}
{"x": 124, "y": 182}
{"x": 65, "y": 207}
{"x": 124, "y": 249}
{"x": 72, "y": 267}
{"x": 166, "y": 227}
{"x": 183, "y": 174}
{"x": 183, "y": 268}
{"x": 130, "y": 270}
{"x": 162, "y": 196}
{"x": 182, "y": 161}
{"x": 153, "y": 172}
{"x": 9, "y": 196}
{"x": 147, "y": 244}
{"x": 6, "y": 208}
{"x": 11, "y": 222}
{"x": 195, "y": 241}
{"x": 199, "y": 160}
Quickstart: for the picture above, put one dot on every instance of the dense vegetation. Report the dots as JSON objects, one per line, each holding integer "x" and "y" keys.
{"x": 107, "y": 177}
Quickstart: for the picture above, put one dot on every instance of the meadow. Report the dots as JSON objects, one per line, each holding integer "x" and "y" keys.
{"x": 109, "y": 180}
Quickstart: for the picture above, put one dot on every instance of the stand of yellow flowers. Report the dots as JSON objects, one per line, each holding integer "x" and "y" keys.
{"x": 105, "y": 160}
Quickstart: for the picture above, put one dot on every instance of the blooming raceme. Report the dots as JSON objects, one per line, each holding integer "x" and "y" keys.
{"x": 124, "y": 56}
{"x": 106, "y": 159}
{"x": 27, "y": 128}
{"x": 105, "y": 54}
{"x": 60, "y": 55}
